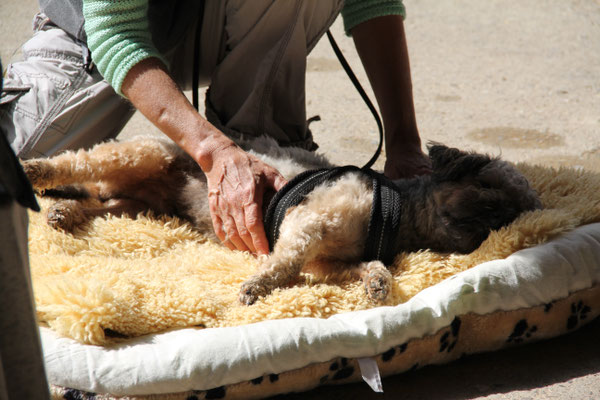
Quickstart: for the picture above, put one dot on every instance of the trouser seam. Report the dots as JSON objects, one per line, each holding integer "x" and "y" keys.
{"x": 53, "y": 55}
{"x": 27, "y": 113}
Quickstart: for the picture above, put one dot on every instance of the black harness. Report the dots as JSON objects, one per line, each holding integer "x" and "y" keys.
{"x": 385, "y": 213}
{"x": 386, "y": 209}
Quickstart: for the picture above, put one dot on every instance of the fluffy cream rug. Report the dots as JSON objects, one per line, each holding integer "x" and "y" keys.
{"x": 123, "y": 277}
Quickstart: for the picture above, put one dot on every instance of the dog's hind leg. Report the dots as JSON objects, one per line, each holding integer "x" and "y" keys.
{"x": 67, "y": 215}
{"x": 294, "y": 248}
{"x": 112, "y": 161}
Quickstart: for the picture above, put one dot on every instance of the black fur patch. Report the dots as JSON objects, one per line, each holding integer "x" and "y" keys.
{"x": 273, "y": 378}
{"x": 66, "y": 192}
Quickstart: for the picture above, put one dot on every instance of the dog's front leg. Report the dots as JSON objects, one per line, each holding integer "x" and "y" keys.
{"x": 299, "y": 241}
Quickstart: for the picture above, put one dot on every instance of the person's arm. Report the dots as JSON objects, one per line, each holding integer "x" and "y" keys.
{"x": 236, "y": 180}
{"x": 381, "y": 45}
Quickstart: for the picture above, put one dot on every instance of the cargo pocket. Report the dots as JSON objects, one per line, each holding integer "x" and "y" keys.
{"x": 12, "y": 91}
{"x": 11, "y": 121}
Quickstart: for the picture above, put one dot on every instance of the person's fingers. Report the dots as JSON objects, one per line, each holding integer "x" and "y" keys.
{"x": 242, "y": 233}
{"x": 407, "y": 165}
{"x": 223, "y": 224}
{"x": 218, "y": 228}
{"x": 254, "y": 224}
{"x": 231, "y": 229}
{"x": 279, "y": 182}
{"x": 214, "y": 215}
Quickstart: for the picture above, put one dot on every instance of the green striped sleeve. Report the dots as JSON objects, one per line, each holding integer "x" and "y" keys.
{"x": 118, "y": 37}
{"x": 357, "y": 11}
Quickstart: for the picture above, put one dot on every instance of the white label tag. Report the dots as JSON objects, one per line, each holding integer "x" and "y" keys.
{"x": 370, "y": 373}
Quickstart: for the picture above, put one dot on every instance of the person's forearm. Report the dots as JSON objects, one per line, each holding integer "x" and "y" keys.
{"x": 381, "y": 45}
{"x": 154, "y": 93}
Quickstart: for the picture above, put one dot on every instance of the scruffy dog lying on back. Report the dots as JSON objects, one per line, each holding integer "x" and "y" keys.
{"x": 453, "y": 210}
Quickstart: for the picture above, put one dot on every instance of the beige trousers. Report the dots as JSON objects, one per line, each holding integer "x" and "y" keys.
{"x": 253, "y": 57}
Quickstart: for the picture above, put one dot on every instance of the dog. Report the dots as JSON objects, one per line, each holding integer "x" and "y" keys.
{"x": 454, "y": 209}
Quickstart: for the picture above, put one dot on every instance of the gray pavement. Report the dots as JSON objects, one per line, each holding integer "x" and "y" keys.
{"x": 517, "y": 78}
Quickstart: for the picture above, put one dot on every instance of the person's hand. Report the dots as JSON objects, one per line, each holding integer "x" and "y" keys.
{"x": 237, "y": 182}
{"x": 404, "y": 162}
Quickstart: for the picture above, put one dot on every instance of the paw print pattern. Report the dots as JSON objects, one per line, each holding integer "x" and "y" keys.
{"x": 521, "y": 332}
{"x": 74, "y": 394}
{"x": 449, "y": 339}
{"x": 388, "y": 355}
{"x": 340, "y": 370}
{"x": 260, "y": 379}
{"x": 216, "y": 393}
{"x": 579, "y": 312}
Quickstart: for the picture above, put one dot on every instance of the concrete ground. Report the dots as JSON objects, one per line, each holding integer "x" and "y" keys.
{"x": 514, "y": 78}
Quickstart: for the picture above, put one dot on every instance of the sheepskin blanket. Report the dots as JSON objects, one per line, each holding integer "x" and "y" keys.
{"x": 119, "y": 277}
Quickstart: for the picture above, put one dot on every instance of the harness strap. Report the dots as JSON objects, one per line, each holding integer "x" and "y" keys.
{"x": 363, "y": 95}
{"x": 293, "y": 193}
{"x": 384, "y": 221}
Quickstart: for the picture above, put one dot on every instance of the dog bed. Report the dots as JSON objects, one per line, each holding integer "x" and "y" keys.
{"x": 147, "y": 308}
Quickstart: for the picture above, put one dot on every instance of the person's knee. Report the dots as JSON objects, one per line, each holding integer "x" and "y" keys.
{"x": 52, "y": 102}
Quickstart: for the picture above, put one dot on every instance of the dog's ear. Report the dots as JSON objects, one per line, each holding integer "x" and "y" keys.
{"x": 450, "y": 164}
{"x": 441, "y": 155}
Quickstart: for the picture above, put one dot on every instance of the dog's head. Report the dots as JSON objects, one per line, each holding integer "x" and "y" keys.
{"x": 473, "y": 195}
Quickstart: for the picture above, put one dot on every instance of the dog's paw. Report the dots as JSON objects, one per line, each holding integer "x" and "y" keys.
{"x": 251, "y": 290}
{"x": 65, "y": 215}
{"x": 39, "y": 173}
{"x": 377, "y": 284}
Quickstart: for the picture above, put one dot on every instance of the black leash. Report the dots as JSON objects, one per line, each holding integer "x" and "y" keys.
{"x": 362, "y": 93}
{"x": 196, "y": 61}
